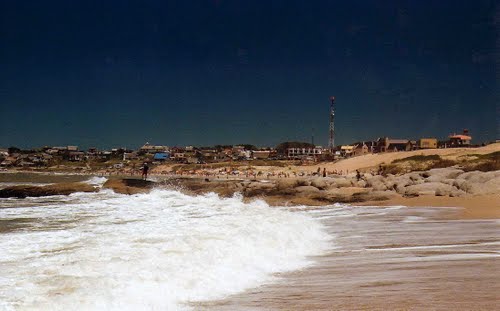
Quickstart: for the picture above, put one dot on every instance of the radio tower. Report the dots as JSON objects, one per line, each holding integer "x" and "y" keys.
{"x": 331, "y": 142}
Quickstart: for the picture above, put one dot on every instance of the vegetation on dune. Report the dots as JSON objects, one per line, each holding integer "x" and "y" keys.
{"x": 419, "y": 158}
{"x": 483, "y": 162}
{"x": 471, "y": 162}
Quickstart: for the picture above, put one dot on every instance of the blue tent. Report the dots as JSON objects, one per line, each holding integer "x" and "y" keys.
{"x": 162, "y": 156}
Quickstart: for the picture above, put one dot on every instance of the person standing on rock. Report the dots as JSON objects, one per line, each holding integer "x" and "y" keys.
{"x": 324, "y": 172}
{"x": 358, "y": 175}
{"x": 145, "y": 169}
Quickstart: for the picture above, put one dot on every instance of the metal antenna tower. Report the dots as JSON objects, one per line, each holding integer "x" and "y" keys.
{"x": 331, "y": 142}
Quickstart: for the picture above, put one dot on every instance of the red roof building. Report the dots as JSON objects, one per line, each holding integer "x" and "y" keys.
{"x": 457, "y": 140}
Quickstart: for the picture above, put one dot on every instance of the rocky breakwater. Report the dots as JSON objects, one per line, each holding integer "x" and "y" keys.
{"x": 451, "y": 182}
{"x": 294, "y": 191}
{"x": 23, "y": 191}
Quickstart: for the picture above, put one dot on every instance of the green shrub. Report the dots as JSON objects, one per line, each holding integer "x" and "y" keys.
{"x": 419, "y": 158}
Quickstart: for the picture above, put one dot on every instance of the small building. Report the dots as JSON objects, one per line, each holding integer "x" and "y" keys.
{"x": 57, "y": 150}
{"x": 296, "y": 153}
{"x": 459, "y": 140}
{"x": 346, "y": 150}
{"x": 8, "y": 162}
{"x": 427, "y": 143}
{"x": 179, "y": 156}
{"x": 261, "y": 154}
{"x": 76, "y": 156}
{"x": 152, "y": 149}
{"x": 462, "y": 140}
{"x": 130, "y": 155}
{"x": 237, "y": 149}
{"x": 391, "y": 145}
{"x": 360, "y": 148}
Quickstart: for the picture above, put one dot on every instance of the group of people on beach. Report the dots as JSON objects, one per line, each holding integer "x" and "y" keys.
{"x": 234, "y": 173}
{"x": 228, "y": 172}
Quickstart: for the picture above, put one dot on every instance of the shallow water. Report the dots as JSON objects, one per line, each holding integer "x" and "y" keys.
{"x": 393, "y": 258}
{"x": 156, "y": 251}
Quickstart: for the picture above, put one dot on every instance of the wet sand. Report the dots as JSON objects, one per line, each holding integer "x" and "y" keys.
{"x": 388, "y": 258}
{"x": 470, "y": 207}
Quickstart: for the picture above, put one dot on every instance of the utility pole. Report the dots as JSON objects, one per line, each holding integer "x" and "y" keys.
{"x": 331, "y": 142}
{"x": 312, "y": 136}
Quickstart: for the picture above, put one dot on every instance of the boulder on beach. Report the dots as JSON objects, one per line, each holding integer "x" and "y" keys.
{"x": 307, "y": 189}
{"x": 490, "y": 186}
{"x": 129, "y": 186}
{"x": 376, "y": 182}
{"x": 431, "y": 188}
{"x": 283, "y": 184}
{"x": 320, "y": 183}
{"x": 341, "y": 182}
{"x": 258, "y": 189}
{"x": 478, "y": 176}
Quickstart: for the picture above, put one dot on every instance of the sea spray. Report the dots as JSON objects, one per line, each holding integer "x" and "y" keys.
{"x": 156, "y": 251}
{"x": 96, "y": 181}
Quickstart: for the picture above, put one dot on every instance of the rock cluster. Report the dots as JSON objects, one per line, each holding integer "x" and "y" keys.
{"x": 451, "y": 181}
{"x": 310, "y": 191}
{"x": 440, "y": 182}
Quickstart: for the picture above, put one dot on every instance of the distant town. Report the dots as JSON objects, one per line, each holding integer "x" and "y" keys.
{"x": 72, "y": 158}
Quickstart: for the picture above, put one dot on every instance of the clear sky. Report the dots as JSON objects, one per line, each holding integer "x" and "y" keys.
{"x": 120, "y": 73}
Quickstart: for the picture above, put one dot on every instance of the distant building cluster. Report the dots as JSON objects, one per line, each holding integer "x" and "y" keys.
{"x": 386, "y": 144}
{"x": 120, "y": 157}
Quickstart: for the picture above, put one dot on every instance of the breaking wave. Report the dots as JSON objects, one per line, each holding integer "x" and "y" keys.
{"x": 156, "y": 251}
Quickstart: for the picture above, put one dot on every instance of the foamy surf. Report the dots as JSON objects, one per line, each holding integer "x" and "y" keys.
{"x": 156, "y": 251}
{"x": 96, "y": 181}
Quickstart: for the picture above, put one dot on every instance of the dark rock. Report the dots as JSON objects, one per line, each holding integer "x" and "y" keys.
{"x": 42, "y": 191}
{"x": 129, "y": 186}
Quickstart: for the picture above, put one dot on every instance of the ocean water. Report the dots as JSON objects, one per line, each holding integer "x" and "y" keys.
{"x": 158, "y": 251}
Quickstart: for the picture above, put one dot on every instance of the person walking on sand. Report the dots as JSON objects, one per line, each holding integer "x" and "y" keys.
{"x": 145, "y": 169}
{"x": 358, "y": 175}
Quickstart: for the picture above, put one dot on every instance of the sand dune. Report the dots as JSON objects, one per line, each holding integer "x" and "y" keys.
{"x": 374, "y": 160}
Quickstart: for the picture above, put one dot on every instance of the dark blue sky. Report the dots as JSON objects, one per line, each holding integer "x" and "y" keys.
{"x": 119, "y": 73}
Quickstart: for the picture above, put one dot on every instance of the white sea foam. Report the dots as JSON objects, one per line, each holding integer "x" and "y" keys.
{"x": 156, "y": 251}
{"x": 10, "y": 184}
{"x": 96, "y": 181}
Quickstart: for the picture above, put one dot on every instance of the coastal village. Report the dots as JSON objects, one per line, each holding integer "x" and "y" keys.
{"x": 71, "y": 158}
